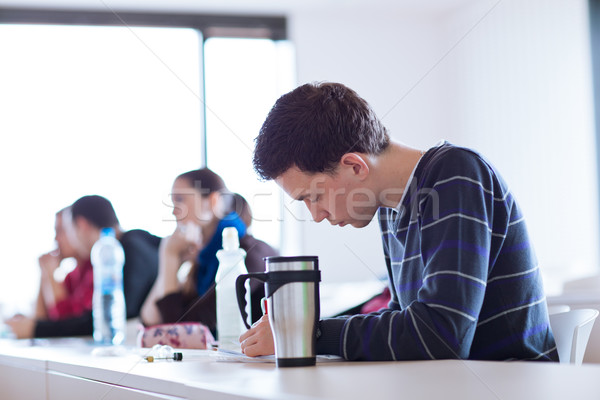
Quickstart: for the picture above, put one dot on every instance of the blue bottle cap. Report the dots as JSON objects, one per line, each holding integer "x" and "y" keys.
{"x": 107, "y": 232}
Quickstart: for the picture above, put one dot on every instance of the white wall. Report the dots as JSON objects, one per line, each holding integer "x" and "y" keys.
{"x": 381, "y": 55}
{"x": 523, "y": 82}
{"x": 511, "y": 79}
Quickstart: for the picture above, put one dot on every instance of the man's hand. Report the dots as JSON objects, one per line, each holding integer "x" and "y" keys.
{"x": 258, "y": 340}
{"x": 22, "y": 326}
{"x": 49, "y": 262}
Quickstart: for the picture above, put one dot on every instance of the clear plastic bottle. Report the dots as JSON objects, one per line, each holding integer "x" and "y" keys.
{"x": 108, "y": 311}
{"x": 230, "y": 324}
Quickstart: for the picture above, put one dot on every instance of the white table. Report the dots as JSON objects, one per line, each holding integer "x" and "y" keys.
{"x": 67, "y": 370}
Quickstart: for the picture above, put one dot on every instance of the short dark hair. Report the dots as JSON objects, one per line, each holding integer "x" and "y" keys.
{"x": 204, "y": 180}
{"x": 97, "y": 210}
{"x": 313, "y": 126}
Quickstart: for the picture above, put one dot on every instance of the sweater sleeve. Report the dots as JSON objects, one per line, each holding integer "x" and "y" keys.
{"x": 177, "y": 307}
{"x": 75, "y": 326}
{"x": 453, "y": 226}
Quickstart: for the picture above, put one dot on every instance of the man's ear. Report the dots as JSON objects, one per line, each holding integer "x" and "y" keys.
{"x": 81, "y": 223}
{"x": 357, "y": 163}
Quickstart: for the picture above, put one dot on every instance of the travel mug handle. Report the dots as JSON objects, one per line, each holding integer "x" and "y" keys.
{"x": 279, "y": 278}
{"x": 240, "y": 291}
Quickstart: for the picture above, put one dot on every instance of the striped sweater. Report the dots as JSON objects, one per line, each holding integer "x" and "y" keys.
{"x": 463, "y": 274}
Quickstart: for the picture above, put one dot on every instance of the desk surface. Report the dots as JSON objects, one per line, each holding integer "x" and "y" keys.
{"x": 201, "y": 376}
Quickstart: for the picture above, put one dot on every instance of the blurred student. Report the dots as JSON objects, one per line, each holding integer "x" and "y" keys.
{"x": 203, "y": 208}
{"x": 65, "y": 308}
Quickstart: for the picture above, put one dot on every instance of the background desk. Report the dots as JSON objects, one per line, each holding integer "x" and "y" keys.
{"x": 67, "y": 370}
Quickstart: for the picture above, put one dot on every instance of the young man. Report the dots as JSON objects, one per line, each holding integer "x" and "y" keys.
{"x": 463, "y": 275}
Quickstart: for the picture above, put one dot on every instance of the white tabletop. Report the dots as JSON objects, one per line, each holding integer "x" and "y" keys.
{"x": 201, "y": 375}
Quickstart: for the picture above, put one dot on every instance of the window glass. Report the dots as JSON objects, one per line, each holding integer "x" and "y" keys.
{"x": 114, "y": 111}
{"x": 244, "y": 78}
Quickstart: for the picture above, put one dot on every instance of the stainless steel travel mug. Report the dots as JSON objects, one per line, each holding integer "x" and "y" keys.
{"x": 292, "y": 291}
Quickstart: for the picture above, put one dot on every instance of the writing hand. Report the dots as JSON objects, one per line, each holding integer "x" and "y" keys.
{"x": 258, "y": 340}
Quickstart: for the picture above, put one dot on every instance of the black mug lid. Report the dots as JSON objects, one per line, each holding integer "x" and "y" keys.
{"x": 290, "y": 258}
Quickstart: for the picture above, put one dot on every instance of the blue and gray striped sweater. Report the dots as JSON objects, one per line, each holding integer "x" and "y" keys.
{"x": 464, "y": 278}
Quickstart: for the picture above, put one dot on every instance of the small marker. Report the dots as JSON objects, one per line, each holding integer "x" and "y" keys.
{"x": 176, "y": 356}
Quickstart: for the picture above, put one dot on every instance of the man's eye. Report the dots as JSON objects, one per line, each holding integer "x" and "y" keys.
{"x": 310, "y": 200}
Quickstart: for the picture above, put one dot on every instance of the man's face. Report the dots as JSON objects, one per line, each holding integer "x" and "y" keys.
{"x": 341, "y": 198}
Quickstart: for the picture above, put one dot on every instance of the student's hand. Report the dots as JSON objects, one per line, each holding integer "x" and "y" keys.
{"x": 185, "y": 242}
{"x": 258, "y": 340}
{"x": 22, "y": 326}
{"x": 49, "y": 262}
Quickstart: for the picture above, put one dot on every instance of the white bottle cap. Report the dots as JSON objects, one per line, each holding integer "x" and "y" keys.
{"x": 231, "y": 240}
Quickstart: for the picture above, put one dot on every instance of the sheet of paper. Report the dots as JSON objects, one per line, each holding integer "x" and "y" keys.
{"x": 234, "y": 356}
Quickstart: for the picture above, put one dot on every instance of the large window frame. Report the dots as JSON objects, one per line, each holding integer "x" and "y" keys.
{"x": 594, "y": 12}
{"x": 211, "y": 25}
{"x": 208, "y": 26}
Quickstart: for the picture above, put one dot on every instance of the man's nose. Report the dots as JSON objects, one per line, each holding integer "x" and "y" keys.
{"x": 318, "y": 214}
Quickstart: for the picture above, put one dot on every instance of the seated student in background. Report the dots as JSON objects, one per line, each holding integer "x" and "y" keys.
{"x": 463, "y": 275}
{"x": 203, "y": 208}
{"x": 53, "y": 297}
{"x": 65, "y": 308}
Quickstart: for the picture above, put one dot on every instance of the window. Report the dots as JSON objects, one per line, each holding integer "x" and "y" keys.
{"x": 234, "y": 117}
{"x": 114, "y": 107}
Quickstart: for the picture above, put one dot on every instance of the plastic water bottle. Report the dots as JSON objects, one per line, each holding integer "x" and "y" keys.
{"x": 108, "y": 304}
{"x": 230, "y": 324}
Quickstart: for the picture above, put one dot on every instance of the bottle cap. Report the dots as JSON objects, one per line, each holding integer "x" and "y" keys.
{"x": 231, "y": 241}
{"x": 107, "y": 232}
